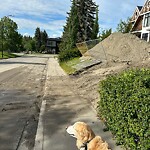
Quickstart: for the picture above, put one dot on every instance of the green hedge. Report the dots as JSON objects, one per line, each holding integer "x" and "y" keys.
{"x": 125, "y": 107}
{"x": 66, "y": 55}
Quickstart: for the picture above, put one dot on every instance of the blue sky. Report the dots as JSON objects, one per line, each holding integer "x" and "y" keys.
{"x": 51, "y": 14}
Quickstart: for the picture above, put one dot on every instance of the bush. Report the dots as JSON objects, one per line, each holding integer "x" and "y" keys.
{"x": 125, "y": 107}
{"x": 66, "y": 55}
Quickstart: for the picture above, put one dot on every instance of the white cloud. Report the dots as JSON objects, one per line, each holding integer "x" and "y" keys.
{"x": 111, "y": 12}
{"x": 34, "y": 7}
{"x": 52, "y": 27}
{"x": 51, "y": 14}
{"x": 26, "y": 34}
{"x": 32, "y": 24}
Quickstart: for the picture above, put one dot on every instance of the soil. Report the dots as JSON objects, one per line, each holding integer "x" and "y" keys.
{"x": 87, "y": 82}
{"x": 121, "y": 48}
{"x": 117, "y": 53}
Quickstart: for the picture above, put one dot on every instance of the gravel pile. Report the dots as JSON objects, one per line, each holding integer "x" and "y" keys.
{"x": 120, "y": 47}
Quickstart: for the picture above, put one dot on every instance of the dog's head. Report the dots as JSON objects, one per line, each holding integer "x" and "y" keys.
{"x": 81, "y": 131}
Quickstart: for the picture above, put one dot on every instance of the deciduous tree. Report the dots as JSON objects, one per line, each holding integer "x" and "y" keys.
{"x": 124, "y": 26}
{"x": 10, "y": 39}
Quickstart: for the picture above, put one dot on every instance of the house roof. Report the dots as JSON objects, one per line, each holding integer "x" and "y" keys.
{"x": 139, "y": 7}
{"x": 145, "y": 8}
{"x": 54, "y": 39}
{"x": 136, "y": 13}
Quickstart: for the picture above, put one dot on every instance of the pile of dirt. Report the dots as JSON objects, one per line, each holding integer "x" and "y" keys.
{"x": 87, "y": 82}
{"x": 121, "y": 52}
{"x": 120, "y": 47}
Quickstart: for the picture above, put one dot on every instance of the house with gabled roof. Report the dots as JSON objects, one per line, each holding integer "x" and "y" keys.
{"x": 141, "y": 21}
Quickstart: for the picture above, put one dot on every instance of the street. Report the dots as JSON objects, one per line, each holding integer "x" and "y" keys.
{"x": 38, "y": 100}
{"x": 21, "y": 90}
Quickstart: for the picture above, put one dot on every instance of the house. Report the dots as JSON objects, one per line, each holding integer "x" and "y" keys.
{"x": 141, "y": 21}
{"x": 52, "y": 46}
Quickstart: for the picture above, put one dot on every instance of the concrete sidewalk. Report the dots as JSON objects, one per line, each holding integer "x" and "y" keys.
{"x": 62, "y": 106}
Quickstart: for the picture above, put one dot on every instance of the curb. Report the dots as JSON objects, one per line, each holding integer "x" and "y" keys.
{"x": 39, "y": 138}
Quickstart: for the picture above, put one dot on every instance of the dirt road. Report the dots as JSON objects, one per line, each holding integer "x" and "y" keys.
{"x": 21, "y": 89}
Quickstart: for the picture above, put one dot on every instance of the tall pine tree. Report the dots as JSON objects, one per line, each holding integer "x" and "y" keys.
{"x": 37, "y": 39}
{"x": 96, "y": 26}
{"x": 69, "y": 37}
{"x": 81, "y": 24}
{"x": 40, "y": 39}
{"x": 86, "y": 13}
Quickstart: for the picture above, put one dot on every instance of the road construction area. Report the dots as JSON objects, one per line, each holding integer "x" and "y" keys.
{"x": 38, "y": 100}
{"x": 21, "y": 90}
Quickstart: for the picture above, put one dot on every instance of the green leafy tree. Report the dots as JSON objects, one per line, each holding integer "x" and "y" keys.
{"x": 105, "y": 33}
{"x": 10, "y": 39}
{"x": 28, "y": 44}
{"x": 124, "y": 26}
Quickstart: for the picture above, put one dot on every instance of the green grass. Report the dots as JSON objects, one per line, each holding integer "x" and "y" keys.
{"x": 7, "y": 55}
{"x": 67, "y": 66}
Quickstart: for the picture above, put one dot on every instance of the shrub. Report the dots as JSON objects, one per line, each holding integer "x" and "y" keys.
{"x": 125, "y": 107}
{"x": 66, "y": 55}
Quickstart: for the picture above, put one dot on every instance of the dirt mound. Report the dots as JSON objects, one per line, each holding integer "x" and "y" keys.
{"x": 121, "y": 48}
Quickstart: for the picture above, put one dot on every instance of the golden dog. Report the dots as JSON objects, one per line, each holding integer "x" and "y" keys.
{"x": 86, "y": 139}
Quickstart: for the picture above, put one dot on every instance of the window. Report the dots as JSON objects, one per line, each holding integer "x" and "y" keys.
{"x": 145, "y": 36}
{"x": 136, "y": 13}
{"x": 147, "y": 20}
{"x": 51, "y": 43}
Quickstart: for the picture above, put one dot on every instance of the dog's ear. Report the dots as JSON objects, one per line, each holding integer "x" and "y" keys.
{"x": 84, "y": 132}
{"x": 88, "y": 134}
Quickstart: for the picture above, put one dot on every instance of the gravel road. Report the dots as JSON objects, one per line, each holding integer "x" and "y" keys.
{"x": 21, "y": 89}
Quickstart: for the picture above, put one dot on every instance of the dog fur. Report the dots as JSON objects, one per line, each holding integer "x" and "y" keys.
{"x": 86, "y": 139}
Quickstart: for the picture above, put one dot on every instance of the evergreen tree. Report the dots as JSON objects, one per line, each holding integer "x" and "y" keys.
{"x": 44, "y": 37}
{"x": 37, "y": 39}
{"x": 40, "y": 39}
{"x": 81, "y": 24}
{"x": 69, "y": 37}
{"x": 86, "y": 13}
{"x": 96, "y": 26}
